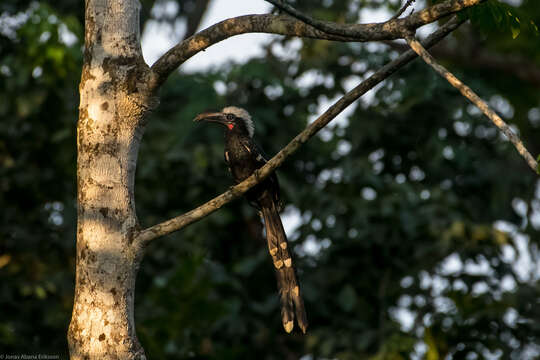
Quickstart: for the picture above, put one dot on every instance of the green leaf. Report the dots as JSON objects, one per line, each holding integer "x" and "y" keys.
{"x": 493, "y": 15}
{"x": 533, "y": 28}
{"x": 515, "y": 27}
{"x": 40, "y": 292}
{"x": 538, "y": 165}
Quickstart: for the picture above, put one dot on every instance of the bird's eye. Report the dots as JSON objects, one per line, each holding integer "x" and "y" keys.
{"x": 230, "y": 117}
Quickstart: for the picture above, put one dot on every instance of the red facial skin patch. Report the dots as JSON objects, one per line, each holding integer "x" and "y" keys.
{"x": 230, "y": 126}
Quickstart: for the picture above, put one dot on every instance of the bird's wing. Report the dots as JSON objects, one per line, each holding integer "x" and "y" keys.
{"x": 226, "y": 157}
{"x": 257, "y": 153}
{"x": 261, "y": 159}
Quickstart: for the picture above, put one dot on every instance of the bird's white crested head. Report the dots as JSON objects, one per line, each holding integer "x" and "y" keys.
{"x": 242, "y": 114}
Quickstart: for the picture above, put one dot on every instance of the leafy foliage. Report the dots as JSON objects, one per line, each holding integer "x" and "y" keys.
{"x": 417, "y": 223}
{"x": 494, "y": 15}
{"x": 39, "y": 72}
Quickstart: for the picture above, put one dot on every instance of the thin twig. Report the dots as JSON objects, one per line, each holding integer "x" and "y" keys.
{"x": 179, "y": 222}
{"x": 511, "y": 64}
{"x": 476, "y": 100}
{"x": 402, "y": 10}
{"x": 318, "y": 24}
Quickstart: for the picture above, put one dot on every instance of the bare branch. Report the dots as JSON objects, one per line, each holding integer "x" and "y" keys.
{"x": 267, "y": 23}
{"x": 403, "y": 8}
{"x": 476, "y": 100}
{"x": 285, "y": 25}
{"x": 179, "y": 222}
{"x": 474, "y": 55}
{"x": 394, "y": 28}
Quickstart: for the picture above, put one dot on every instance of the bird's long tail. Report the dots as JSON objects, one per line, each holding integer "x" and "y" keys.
{"x": 289, "y": 290}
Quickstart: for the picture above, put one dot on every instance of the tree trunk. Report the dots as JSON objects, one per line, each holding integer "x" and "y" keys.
{"x": 111, "y": 121}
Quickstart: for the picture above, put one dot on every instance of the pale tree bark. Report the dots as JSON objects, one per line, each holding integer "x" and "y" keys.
{"x": 111, "y": 114}
{"x": 117, "y": 91}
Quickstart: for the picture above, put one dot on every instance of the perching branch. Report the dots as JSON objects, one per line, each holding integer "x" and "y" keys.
{"x": 179, "y": 222}
{"x": 285, "y": 25}
{"x": 475, "y": 99}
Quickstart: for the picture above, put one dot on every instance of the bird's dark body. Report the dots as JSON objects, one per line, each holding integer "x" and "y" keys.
{"x": 243, "y": 157}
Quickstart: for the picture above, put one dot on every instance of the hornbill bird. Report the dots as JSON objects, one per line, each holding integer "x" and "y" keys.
{"x": 243, "y": 157}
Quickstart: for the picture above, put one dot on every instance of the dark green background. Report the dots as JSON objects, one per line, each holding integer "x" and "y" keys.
{"x": 411, "y": 178}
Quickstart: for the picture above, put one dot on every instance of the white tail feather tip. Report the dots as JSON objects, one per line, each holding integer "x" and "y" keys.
{"x": 288, "y": 262}
{"x": 288, "y": 326}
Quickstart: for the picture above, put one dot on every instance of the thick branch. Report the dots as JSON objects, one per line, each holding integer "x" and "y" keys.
{"x": 285, "y": 25}
{"x": 179, "y": 222}
{"x": 476, "y": 100}
{"x": 267, "y": 23}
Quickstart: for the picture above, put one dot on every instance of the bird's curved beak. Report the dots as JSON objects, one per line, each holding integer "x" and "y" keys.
{"x": 211, "y": 117}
